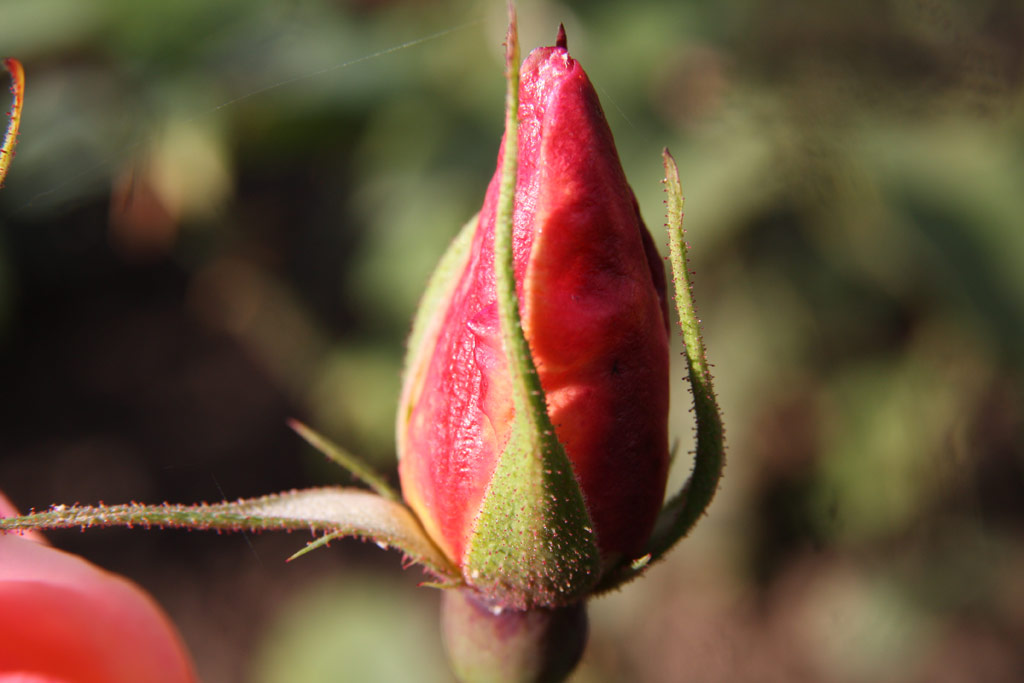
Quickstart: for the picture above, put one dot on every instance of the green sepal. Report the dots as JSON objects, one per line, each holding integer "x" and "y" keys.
{"x": 331, "y": 510}
{"x": 685, "y": 508}
{"x": 322, "y": 542}
{"x": 533, "y": 542}
{"x": 347, "y": 460}
{"x": 428, "y": 318}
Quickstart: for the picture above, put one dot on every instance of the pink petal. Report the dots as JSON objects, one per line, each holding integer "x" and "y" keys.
{"x": 63, "y": 619}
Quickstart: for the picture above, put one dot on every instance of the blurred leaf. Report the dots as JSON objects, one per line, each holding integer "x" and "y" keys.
{"x": 360, "y": 628}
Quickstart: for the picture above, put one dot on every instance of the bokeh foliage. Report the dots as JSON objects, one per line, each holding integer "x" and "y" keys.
{"x": 223, "y": 213}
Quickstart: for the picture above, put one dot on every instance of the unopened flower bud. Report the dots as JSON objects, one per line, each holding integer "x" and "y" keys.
{"x": 591, "y": 292}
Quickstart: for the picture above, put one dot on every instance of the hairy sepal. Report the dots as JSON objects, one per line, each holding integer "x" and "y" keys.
{"x": 330, "y": 510}
{"x": 684, "y": 509}
{"x": 533, "y": 543}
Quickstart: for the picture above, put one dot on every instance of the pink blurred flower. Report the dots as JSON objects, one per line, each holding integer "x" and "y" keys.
{"x": 64, "y": 620}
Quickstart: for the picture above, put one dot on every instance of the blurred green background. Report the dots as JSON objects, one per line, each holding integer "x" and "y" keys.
{"x": 221, "y": 214}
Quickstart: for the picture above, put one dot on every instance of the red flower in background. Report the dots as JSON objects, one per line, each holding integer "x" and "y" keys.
{"x": 64, "y": 620}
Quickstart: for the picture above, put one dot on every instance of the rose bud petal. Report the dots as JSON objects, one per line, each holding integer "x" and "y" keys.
{"x": 64, "y": 620}
{"x": 591, "y": 291}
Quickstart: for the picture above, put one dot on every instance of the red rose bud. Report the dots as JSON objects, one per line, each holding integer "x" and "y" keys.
{"x": 591, "y": 293}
